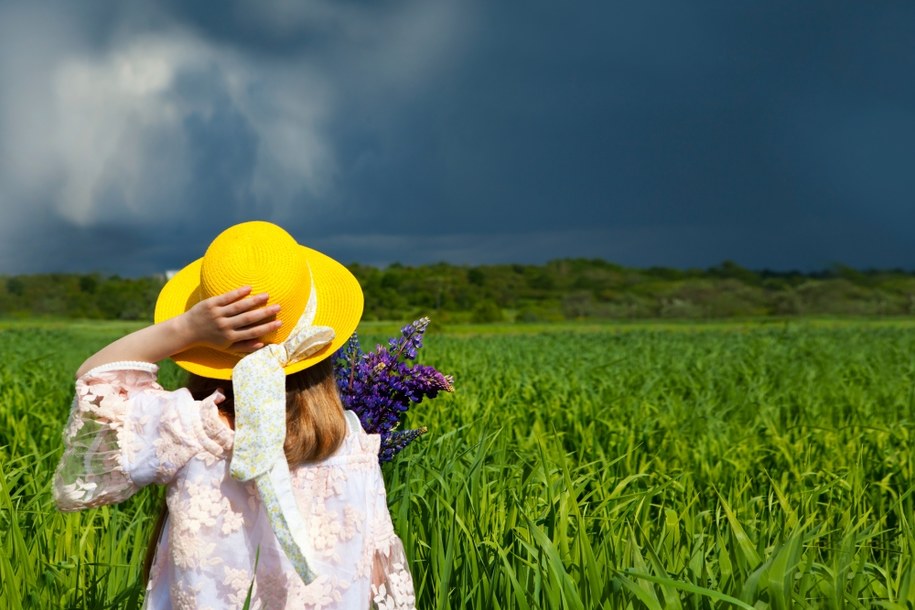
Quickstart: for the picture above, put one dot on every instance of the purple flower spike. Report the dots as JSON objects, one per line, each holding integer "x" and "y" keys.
{"x": 379, "y": 386}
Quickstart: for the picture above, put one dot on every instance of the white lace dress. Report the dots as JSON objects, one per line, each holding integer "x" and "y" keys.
{"x": 126, "y": 432}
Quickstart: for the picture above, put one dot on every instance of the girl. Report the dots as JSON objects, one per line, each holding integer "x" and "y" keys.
{"x": 269, "y": 481}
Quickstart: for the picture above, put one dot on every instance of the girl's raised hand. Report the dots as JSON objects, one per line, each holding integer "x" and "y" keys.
{"x": 233, "y": 320}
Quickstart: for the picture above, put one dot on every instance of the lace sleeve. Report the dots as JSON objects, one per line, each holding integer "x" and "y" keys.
{"x": 124, "y": 432}
{"x": 392, "y": 583}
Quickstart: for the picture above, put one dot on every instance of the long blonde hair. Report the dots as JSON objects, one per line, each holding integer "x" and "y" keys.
{"x": 315, "y": 425}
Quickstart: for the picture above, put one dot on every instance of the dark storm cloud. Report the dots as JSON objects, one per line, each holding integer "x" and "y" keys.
{"x": 776, "y": 134}
{"x": 753, "y": 126}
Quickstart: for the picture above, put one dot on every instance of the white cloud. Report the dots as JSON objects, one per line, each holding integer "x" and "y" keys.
{"x": 98, "y": 133}
{"x": 117, "y": 128}
{"x": 112, "y": 135}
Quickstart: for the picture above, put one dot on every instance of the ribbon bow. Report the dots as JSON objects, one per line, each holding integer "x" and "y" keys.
{"x": 259, "y": 383}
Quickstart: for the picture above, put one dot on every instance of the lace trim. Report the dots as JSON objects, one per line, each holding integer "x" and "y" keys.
{"x": 123, "y": 365}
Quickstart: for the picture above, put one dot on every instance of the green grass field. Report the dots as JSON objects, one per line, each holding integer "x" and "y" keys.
{"x": 749, "y": 465}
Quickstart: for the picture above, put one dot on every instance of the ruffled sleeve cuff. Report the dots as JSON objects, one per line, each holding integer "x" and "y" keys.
{"x": 91, "y": 471}
{"x": 392, "y": 584}
{"x": 125, "y": 432}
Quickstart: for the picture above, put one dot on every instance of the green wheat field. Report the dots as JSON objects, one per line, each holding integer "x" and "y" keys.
{"x": 738, "y": 465}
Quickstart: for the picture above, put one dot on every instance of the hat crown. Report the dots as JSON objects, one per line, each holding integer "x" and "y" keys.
{"x": 267, "y": 258}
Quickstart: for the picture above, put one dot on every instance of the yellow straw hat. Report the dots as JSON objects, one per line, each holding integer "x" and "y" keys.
{"x": 264, "y": 256}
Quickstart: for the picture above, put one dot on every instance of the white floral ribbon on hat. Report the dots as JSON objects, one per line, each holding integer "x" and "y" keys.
{"x": 259, "y": 383}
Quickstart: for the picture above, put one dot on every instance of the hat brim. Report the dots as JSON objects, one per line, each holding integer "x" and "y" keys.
{"x": 340, "y": 303}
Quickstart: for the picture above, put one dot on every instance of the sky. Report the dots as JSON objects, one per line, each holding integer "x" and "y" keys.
{"x": 779, "y": 134}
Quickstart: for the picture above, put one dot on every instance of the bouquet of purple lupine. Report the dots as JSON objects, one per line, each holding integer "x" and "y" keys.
{"x": 379, "y": 386}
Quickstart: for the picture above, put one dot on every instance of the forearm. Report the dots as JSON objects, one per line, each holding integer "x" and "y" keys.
{"x": 231, "y": 321}
{"x": 149, "y": 344}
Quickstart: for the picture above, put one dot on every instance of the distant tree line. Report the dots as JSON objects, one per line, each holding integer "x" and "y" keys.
{"x": 559, "y": 290}
{"x": 79, "y": 296}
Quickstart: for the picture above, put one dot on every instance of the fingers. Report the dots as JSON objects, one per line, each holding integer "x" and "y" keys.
{"x": 231, "y": 296}
{"x": 236, "y": 319}
{"x": 255, "y": 331}
{"x": 242, "y": 305}
{"x": 246, "y": 347}
{"x": 251, "y": 319}
{"x": 234, "y": 302}
{"x": 239, "y": 312}
{"x": 248, "y": 339}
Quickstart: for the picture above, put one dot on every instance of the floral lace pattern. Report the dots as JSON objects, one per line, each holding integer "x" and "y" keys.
{"x": 126, "y": 432}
